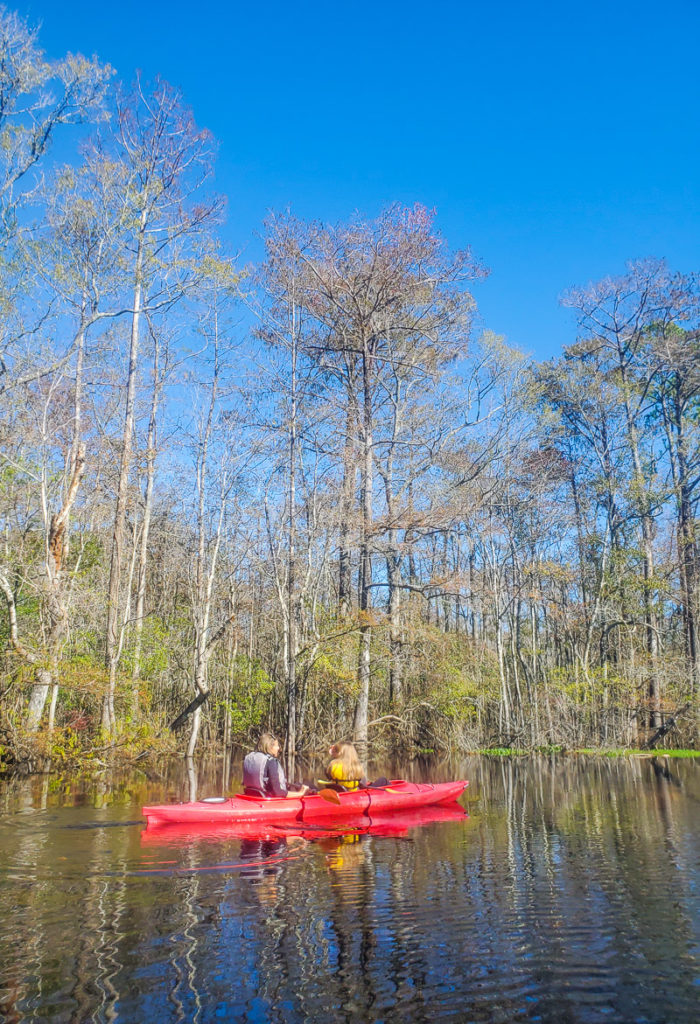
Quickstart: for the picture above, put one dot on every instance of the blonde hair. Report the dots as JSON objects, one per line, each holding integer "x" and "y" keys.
{"x": 346, "y": 754}
{"x": 267, "y": 742}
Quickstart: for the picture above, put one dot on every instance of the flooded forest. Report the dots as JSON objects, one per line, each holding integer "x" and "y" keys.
{"x": 566, "y": 894}
{"x": 307, "y": 487}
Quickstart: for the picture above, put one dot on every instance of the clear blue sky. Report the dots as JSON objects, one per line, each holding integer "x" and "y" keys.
{"x": 556, "y": 139}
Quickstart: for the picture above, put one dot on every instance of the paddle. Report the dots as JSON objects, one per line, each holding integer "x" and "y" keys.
{"x": 331, "y": 795}
{"x": 326, "y": 794}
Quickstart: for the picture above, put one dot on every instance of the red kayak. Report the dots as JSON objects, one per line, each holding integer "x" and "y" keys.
{"x": 396, "y": 796}
{"x": 391, "y": 823}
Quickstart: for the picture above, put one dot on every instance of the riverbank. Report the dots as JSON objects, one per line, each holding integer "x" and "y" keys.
{"x": 588, "y": 751}
{"x": 144, "y": 750}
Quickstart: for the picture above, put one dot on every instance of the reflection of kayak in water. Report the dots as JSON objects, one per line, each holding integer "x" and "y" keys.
{"x": 395, "y": 823}
{"x": 262, "y": 858}
{"x": 397, "y": 795}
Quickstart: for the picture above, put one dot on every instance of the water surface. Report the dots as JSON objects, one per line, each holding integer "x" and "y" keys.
{"x": 568, "y": 892}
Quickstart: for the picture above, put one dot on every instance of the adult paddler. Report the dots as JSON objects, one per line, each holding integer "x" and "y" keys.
{"x": 263, "y": 775}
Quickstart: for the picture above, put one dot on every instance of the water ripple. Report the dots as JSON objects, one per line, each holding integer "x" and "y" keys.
{"x": 566, "y": 896}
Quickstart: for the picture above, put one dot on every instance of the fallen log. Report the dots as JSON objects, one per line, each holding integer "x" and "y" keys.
{"x": 666, "y": 727}
{"x": 190, "y": 709}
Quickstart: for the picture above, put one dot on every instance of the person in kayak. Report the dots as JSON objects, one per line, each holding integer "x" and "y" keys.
{"x": 344, "y": 772}
{"x": 263, "y": 775}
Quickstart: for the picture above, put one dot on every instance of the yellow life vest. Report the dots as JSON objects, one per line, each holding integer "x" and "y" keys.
{"x": 335, "y": 770}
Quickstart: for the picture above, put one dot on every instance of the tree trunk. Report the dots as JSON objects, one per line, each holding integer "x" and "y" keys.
{"x": 37, "y": 699}
{"x": 114, "y": 589}
{"x": 364, "y": 664}
{"x": 642, "y": 502}
{"x": 145, "y": 529}
{"x": 393, "y": 568}
{"x": 687, "y": 551}
{"x": 347, "y": 504}
{"x": 292, "y": 613}
{"x": 54, "y": 600}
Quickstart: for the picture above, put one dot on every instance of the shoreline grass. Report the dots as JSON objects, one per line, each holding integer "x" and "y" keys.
{"x": 588, "y": 751}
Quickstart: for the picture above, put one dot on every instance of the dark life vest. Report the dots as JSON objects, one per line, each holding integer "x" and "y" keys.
{"x": 263, "y": 775}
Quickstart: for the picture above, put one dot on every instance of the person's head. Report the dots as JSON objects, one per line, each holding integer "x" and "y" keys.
{"x": 269, "y": 744}
{"x": 347, "y": 755}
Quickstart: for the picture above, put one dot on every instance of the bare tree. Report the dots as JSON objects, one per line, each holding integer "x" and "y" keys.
{"x": 217, "y": 462}
{"x": 38, "y": 97}
{"x": 382, "y": 294}
{"x": 164, "y": 160}
{"x": 617, "y": 315}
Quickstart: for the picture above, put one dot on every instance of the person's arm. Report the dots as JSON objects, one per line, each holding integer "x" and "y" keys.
{"x": 278, "y": 783}
{"x": 298, "y": 792}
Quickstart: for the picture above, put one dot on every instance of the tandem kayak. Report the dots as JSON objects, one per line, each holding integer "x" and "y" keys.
{"x": 397, "y": 795}
{"x": 386, "y": 824}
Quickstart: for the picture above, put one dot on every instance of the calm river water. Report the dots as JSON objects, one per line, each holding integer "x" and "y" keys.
{"x": 568, "y": 892}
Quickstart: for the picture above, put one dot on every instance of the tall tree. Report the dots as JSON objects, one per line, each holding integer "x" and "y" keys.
{"x": 675, "y": 351}
{"x": 38, "y": 98}
{"x": 217, "y": 464}
{"x": 384, "y": 294}
{"x": 163, "y": 161}
{"x": 616, "y": 316}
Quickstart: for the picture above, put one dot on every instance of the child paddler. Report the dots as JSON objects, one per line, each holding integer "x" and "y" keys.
{"x": 344, "y": 771}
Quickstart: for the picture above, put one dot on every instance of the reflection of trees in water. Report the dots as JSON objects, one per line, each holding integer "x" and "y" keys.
{"x": 277, "y": 939}
{"x": 318, "y": 927}
{"x": 84, "y": 988}
{"x": 102, "y": 906}
{"x": 342, "y": 936}
{"x": 21, "y": 858}
{"x": 187, "y": 959}
{"x": 108, "y": 906}
{"x": 570, "y": 879}
{"x": 352, "y": 921}
{"x": 408, "y": 965}
{"x": 593, "y": 877}
{"x": 67, "y": 926}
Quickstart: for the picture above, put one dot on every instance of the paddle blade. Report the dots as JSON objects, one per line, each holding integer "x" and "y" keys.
{"x": 331, "y": 795}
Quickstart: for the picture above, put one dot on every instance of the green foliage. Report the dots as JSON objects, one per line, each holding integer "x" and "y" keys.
{"x": 249, "y": 695}
{"x": 636, "y": 752}
{"x": 331, "y": 672}
{"x": 154, "y": 657}
{"x": 449, "y": 675}
{"x": 502, "y": 752}
{"x": 90, "y": 551}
